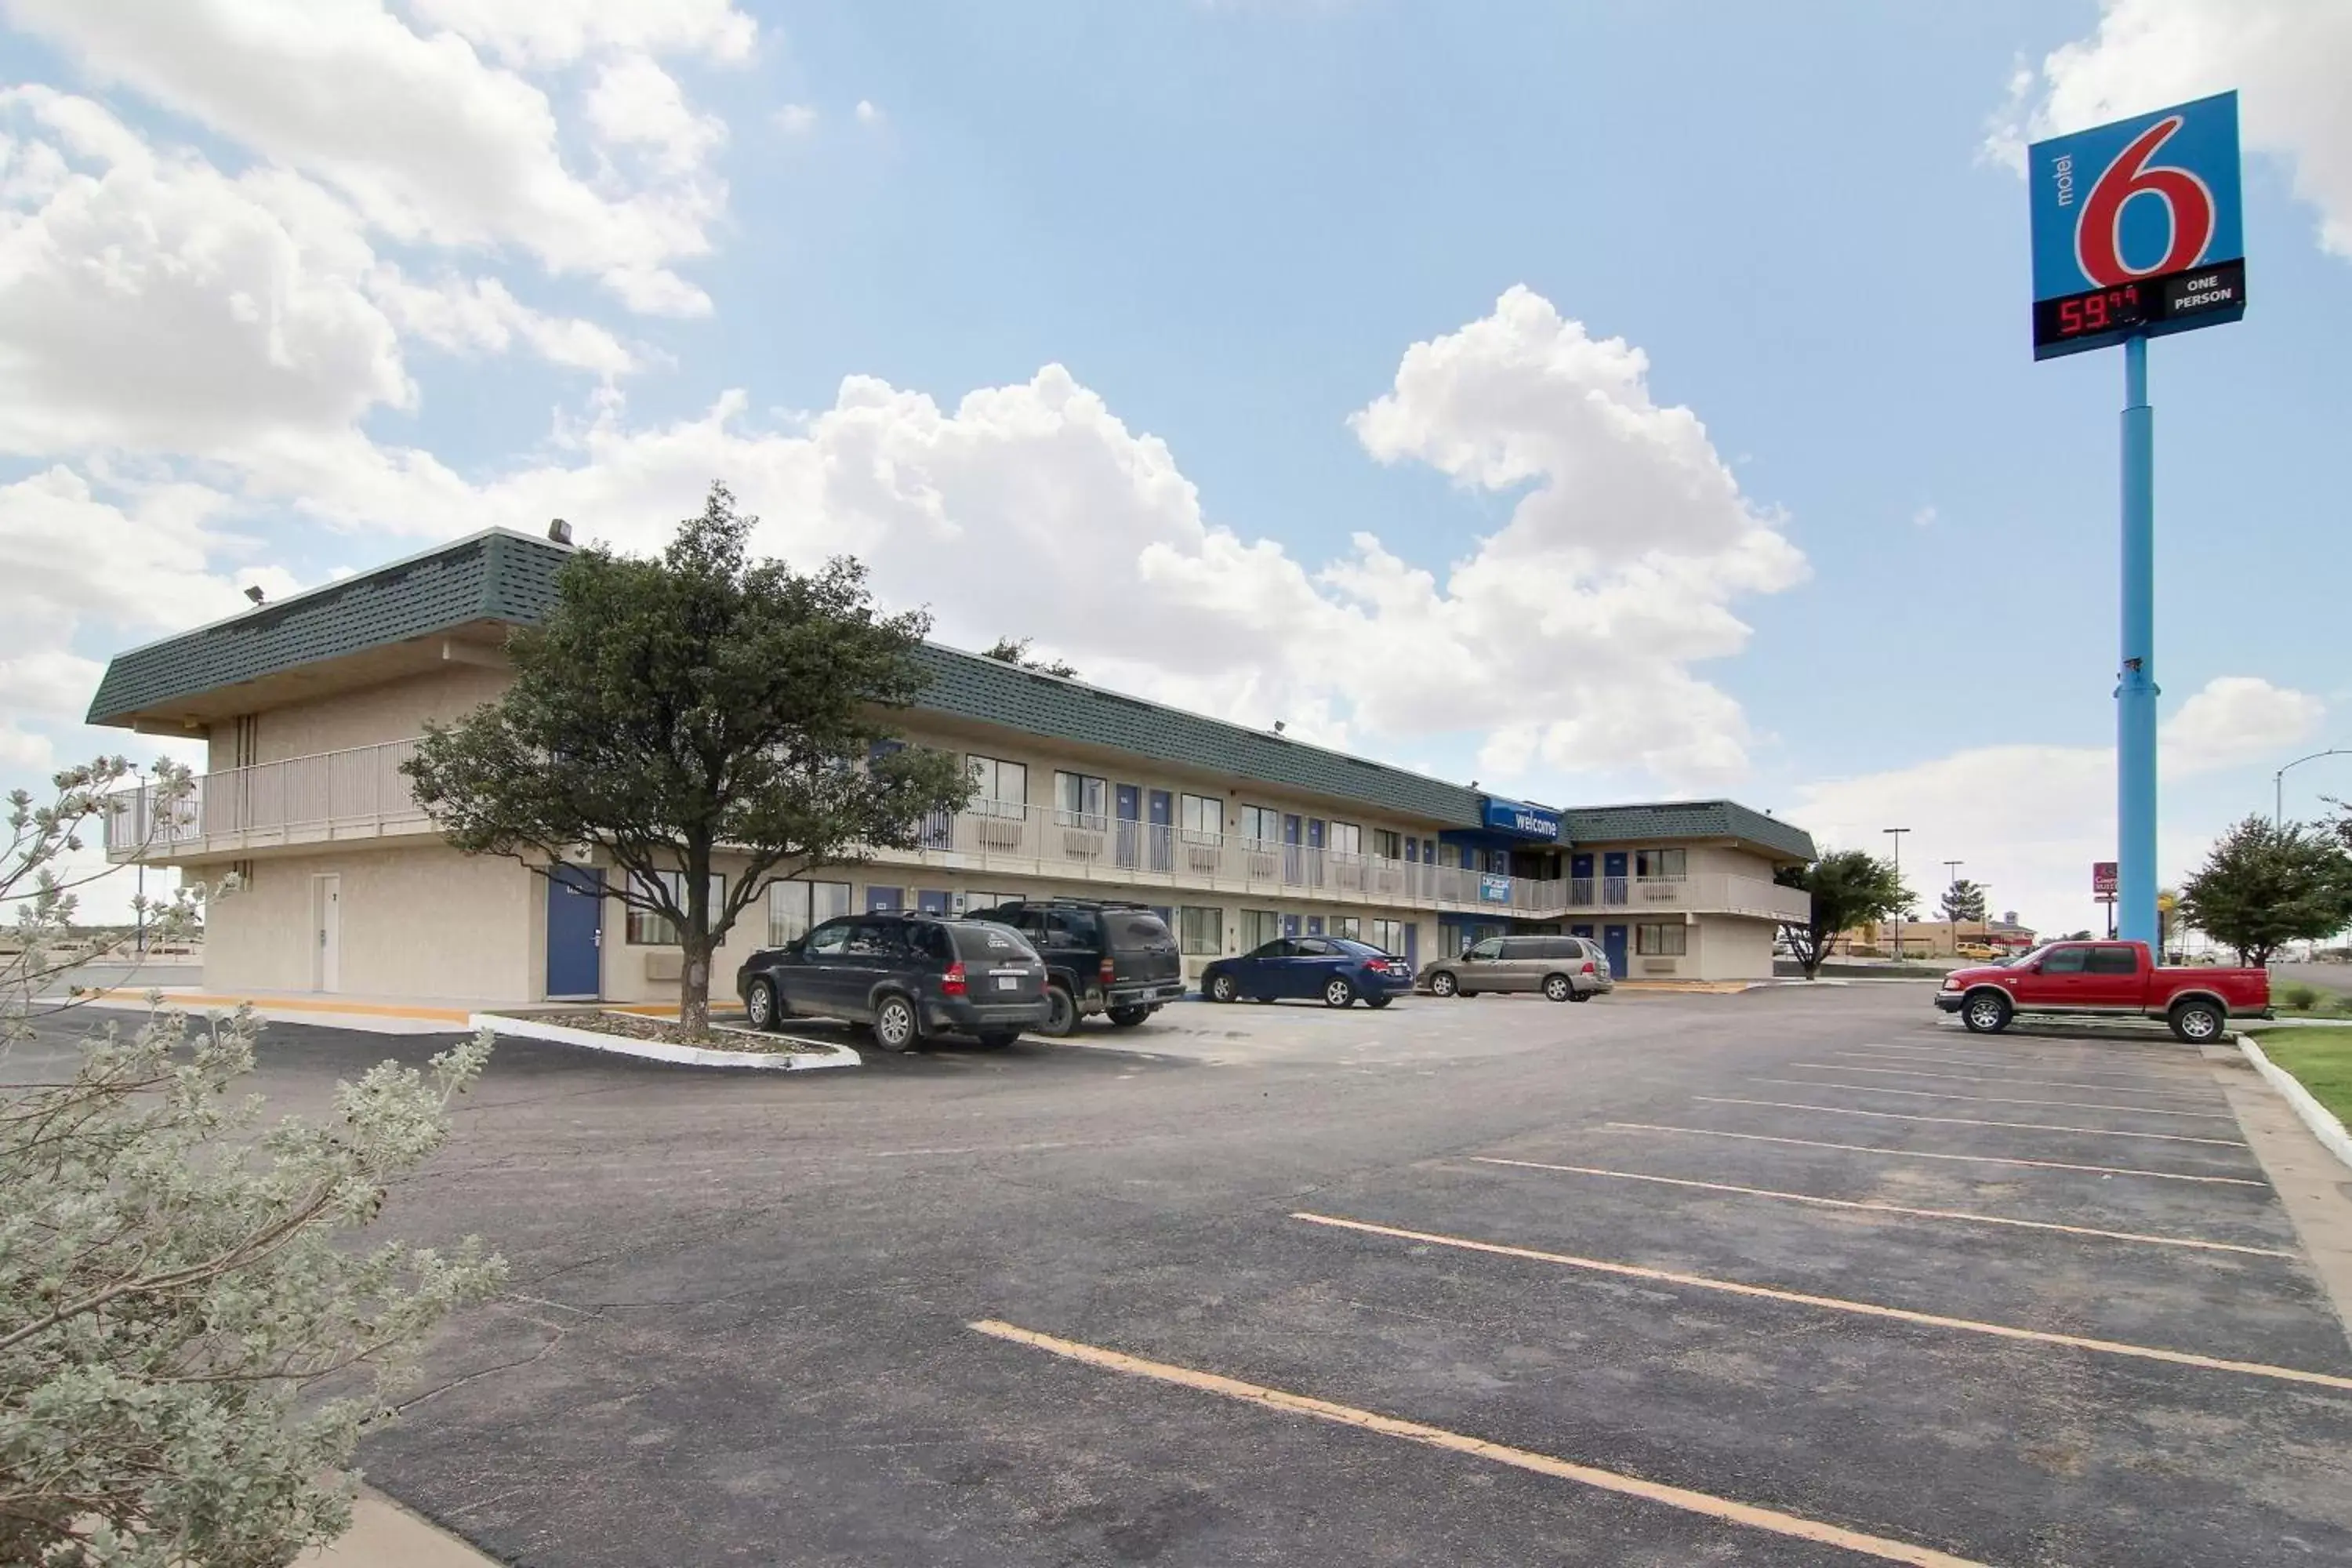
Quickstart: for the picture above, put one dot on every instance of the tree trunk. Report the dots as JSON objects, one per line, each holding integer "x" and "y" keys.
{"x": 694, "y": 982}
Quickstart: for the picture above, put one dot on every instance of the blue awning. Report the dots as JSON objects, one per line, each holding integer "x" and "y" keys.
{"x": 1517, "y": 819}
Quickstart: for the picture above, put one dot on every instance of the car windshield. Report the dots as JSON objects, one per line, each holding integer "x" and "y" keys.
{"x": 986, "y": 939}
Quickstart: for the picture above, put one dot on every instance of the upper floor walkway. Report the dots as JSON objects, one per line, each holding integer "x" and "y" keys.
{"x": 360, "y": 795}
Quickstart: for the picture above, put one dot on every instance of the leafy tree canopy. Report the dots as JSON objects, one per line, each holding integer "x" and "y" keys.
{"x": 1015, "y": 651}
{"x": 2265, "y": 885}
{"x": 1849, "y": 888}
{"x": 1964, "y": 901}
{"x": 668, "y": 708}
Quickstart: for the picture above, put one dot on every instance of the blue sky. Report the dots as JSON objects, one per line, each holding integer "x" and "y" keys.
{"x": 1228, "y": 224}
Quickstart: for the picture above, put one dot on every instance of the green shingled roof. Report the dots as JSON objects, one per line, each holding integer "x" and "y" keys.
{"x": 490, "y": 576}
{"x": 1686, "y": 819}
{"x": 497, "y": 576}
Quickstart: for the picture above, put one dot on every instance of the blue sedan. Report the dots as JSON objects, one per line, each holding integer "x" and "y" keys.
{"x": 1331, "y": 969}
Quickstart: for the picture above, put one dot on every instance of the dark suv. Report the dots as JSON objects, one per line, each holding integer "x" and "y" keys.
{"x": 907, "y": 975}
{"x": 1101, "y": 956}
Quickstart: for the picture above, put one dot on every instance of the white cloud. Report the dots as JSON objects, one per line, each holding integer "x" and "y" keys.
{"x": 2030, "y": 820}
{"x": 635, "y": 103}
{"x": 1033, "y": 506}
{"x": 868, "y": 114}
{"x": 479, "y": 316}
{"x": 542, "y": 33}
{"x": 1924, "y": 518}
{"x": 2286, "y": 58}
{"x": 430, "y": 143}
{"x": 795, "y": 118}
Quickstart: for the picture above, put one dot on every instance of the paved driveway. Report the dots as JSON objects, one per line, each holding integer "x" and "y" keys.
{"x": 1795, "y": 1277}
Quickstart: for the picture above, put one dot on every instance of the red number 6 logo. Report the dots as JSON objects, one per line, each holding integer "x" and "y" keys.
{"x": 2190, "y": 203}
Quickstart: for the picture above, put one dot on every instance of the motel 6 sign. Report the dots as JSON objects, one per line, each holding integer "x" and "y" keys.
{"x": 2137, "y": 228}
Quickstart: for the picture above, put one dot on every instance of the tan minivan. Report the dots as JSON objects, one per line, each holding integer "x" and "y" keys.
{"x": 1564, "y": 968}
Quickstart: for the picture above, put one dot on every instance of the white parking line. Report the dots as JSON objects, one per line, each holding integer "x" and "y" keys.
{"x": 1872, "y": 1207}
{"x": 2187, "y": 1076}
{"x": 1834, "y": 1303}
{"x": 1922, "y": 1154}
{"x": 1703, "y": 1503}
{"x": 2015, "y": 1082}
{"x": 1967, "y": 1121}
{"x": 1995, "y": 1099}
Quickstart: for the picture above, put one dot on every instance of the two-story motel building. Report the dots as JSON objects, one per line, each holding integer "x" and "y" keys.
{"x": 1235, "y": 835}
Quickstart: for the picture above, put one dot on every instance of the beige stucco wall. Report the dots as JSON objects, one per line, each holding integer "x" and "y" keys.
{"x": 1731, "y": 949}
{"x": 422, "y": 922}
{"x": 395, "y": 710}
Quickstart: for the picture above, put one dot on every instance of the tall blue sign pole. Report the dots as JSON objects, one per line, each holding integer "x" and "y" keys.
{"x": 2137, "y": 233}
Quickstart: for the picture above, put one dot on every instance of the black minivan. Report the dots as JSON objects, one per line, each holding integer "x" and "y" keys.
{"x": 909, "y": 976}
{"x": 1102, "y": 956}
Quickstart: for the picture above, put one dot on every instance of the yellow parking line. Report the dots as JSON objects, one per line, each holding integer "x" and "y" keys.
{"x": 1922, "y": 1154}
{"x": 1966, "y": 1120}
{"x": 1894, "y": 1208}
{"x": 1836, "y": 1303}
{"x": 1702, "y": 1503}
{"x": 2019, "y": 1082}
{"x": 1996, "y": 1099}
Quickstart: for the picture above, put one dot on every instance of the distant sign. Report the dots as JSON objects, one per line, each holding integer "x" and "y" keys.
{"x": 2103, "y": 880}
{"x": 1525, "y": 821}
{"x": 1493, "y": 889}
{"x": 2137, "y": 228}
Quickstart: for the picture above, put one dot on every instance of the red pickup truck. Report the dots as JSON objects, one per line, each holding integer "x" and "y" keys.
{"x": 2115, "y": 979}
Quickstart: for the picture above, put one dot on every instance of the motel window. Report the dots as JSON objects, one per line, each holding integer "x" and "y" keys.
{"x": 1203, "y": 819}
{"x": 1204, "y": 931}
{"x": 1002, "y": 787}
{"x": 1662, "y": 941}
{"x": 1082, "y": 800}
{"x": 1261, "y": 823}
{"x": 1258, "y": 928}
{"x": 1349, "y": 926}
{"x": 1387, "y": 935}
{"x": 796, "y": 908}
{"x": 646, "y": 929}
{"x": 1387, "y": 844}
{"x": 1345, "y": 838}
{"x": 1669, "y": 865}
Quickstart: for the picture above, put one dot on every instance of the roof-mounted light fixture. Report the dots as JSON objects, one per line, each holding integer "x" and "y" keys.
{"x": 254, "y": 593}
{"x": 559, "y": 530}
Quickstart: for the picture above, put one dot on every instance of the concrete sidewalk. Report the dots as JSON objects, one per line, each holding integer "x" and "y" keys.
{"x": 372, "y": 1015}
{"x": 386, "y": 1535}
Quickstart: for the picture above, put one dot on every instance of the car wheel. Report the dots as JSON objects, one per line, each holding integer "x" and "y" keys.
{"x": 1377, "y": 1002}
{"x": 1338, "y": 993}
{"x": 1986, "y": 1013}
{"x": 1442, "y": 984}
{"x": 2198, "y": 1022}
{"x": 1061, "y": 1013}
{"x": 1128, "y": 1017}
{"x": 997, "y": 1039}
{"x": 894, "y": 1024}
{"x": 760, "y": 1006}
{"x": 1222, "y": 988}
{"x": 1558, "y": 987}
{"x": 1575, "y": 995}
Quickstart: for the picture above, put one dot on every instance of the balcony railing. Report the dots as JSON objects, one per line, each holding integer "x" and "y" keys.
{"x": 361, "y": 794}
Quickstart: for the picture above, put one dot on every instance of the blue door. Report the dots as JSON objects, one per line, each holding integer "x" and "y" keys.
{"x": 575, "y": 909}
{"x": 1291, "y": 868}
{"x": 1314, "y": 925}
{"x": 885, "y": 900}
{"x": 1163, "y": 832}
{"x": 1612, "y": 878}
{"x": 931, "y": 900}
{"x": 1412, "y": 947}
{"x": 1613, "y": 943}
{"x": 1580, "y": 879}
{"x": 1128, "y": 806}
{"x": 1291, "y": 925}
{"x": 1584, "y": 930}
{"x": 1315, "y": 853}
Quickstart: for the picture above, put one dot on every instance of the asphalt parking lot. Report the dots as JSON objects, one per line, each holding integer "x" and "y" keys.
{"x": 1794, "y": 1276}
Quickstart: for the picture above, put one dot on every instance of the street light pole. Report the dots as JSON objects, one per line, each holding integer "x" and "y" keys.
{"x": 1898, "y": 921}
{"x": 1952, "y": 911}
{"x": 2278, "y": 784}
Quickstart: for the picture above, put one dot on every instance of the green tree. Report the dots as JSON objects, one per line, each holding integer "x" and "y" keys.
{"x": 1015, "y": 651}
{"x": 668, "y": 710}
{"x": 2264, "y": 886}
{"x": 1964, "y": 901}
{"x": 190, "y": 1345}
{"x": 1849, "y": 888}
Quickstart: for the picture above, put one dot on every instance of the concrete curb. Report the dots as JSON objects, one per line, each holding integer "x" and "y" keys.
{"x": 830, "y": 1054}
{"x": 2316, "y": 1116}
